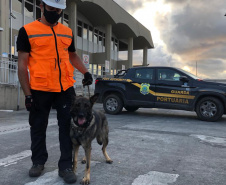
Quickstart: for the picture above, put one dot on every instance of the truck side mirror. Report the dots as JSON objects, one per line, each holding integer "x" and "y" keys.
{"x": 184, "y": 79}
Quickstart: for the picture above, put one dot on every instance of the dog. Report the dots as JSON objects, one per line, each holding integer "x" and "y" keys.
{"x": 86, "y": 125}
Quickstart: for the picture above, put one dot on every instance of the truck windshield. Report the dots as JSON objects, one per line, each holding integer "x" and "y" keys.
{"x": 189, "y": 74}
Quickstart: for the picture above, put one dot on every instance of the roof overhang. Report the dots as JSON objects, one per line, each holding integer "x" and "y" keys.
{"x": 124, "y": 26}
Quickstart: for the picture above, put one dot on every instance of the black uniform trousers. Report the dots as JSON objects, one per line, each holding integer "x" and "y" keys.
{"x": 38, "y": 120}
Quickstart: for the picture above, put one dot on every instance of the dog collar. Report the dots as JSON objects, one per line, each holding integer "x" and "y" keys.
{"x": 78, "y": 131}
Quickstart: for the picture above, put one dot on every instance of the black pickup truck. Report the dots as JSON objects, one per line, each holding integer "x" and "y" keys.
{"x": 161, "y": 87}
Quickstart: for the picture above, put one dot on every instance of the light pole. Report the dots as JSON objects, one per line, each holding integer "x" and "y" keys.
{"x": 196, "y": 68}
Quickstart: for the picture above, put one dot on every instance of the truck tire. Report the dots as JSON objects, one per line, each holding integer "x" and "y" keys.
{"x": 209, "y": 109}
{"x": 131, "y": 108}
{"x": 113, "y": 104}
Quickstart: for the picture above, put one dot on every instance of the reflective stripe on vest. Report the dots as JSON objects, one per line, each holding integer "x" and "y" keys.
{"x": 49, "y": 65}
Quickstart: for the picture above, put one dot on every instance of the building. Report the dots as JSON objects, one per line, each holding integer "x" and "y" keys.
{"x": 101, "y": 28}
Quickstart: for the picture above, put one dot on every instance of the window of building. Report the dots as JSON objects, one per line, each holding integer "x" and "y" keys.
{"x": 99, "y": 70}
{"x": 17, "y": 6}
{"x": 100, "y": 38}
{"x": 112, "y": 43}
{"x": 91, "y": 68}
{"x": 85, "y": 32}
{"x": 65, "y": 18}
{"x": 29, "y": 8}
{"x": 80, "y": 23}
{"x": 79, "y": 29}
{"x": 90, "y": 34}
{"x": 104, "y": 39}
{"x": 94, "y": 69}
{"x": 96, "y": 36}
{"x": 38, "y": 12}
{"x": 116, "y": 45}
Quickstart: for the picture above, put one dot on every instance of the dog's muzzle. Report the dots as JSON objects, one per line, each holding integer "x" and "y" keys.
{"x": 81, "y": 121}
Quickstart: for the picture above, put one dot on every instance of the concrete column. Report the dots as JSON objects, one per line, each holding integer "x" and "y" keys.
{"x": 108, "y": 37}
{"x": 72, "y": 9}
{"x": 5, "y": 24}
{"x": 145, "y": 56}
{"x": 130, "y": 51}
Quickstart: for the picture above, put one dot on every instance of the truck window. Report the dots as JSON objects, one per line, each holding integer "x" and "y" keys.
{"x": 169, "y": 75}
{"x": 144, "y": 74}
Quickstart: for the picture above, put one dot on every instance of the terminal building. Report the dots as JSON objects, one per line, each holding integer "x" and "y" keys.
{"x": 101, "y": 30}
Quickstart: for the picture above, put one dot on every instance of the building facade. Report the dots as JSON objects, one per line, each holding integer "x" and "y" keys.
{"x": 101, "y": 30}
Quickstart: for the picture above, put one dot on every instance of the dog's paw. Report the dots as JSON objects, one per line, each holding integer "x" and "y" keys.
{"x": 109, "y": 161}
{"x": 85, "y": 181}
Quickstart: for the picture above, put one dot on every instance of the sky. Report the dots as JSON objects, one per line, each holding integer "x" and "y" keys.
{"x": 189, "y": 34}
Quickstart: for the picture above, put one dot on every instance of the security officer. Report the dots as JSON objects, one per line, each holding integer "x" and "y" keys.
{"x": 47, "y": 48}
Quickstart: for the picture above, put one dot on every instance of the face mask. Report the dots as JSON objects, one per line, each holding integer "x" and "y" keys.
{"x": 51, "y": 16}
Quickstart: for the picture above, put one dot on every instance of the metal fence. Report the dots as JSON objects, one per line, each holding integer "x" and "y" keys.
{"x": 9, "y": 76}
{"x": 8, "y": 71}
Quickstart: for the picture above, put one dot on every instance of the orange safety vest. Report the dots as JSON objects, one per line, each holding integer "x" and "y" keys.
{"x": 49, "y": 65}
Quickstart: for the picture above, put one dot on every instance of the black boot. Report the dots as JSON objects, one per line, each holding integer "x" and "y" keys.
{"x": 68, "y": 175}
{"x": 36, "y": 170}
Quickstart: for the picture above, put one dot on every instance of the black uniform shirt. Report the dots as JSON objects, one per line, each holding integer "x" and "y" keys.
{"x": 23, "y": 43}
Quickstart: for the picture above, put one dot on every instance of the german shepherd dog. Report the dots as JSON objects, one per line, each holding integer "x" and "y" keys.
{"x": 86, "y": 125}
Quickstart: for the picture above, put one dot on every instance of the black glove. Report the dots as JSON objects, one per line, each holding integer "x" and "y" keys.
{"x": 88, "y": 79}
{"x": 28, "y": 102}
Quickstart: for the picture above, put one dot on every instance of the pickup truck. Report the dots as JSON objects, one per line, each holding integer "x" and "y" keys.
{"x": 161, "y": 87}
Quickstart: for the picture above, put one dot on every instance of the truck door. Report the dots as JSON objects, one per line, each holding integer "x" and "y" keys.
{"x": 170, "y": 91}
{"x": 139, "y": 90}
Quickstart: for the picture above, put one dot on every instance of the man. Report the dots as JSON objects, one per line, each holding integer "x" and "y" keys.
{"x": 47, "y": 48}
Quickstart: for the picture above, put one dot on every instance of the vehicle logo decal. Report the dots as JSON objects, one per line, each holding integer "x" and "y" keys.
{"x": 173, "y": 100}
{"x": 167, "y": 94}
{"x": 118, "y": 79}
{"x": 144, "y": 89}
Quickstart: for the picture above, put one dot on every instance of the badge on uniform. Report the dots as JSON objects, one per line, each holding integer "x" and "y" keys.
{"x": 144, "y": 89}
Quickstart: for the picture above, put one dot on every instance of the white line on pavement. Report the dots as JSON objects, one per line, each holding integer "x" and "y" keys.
{"x": 155, "y": 178}
{"x": 48, "y": 178}
{"x": 53, "y": 178}
{"x": 13, "y": 159}
{"x": 18, "y": 128}
{"x": 211, "y": 140}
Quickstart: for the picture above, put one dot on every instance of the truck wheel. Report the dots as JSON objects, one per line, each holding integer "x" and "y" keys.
{"x": 131, "y": 108}
{"x": 113, "y": 104}
{"x": 209, "y": 109}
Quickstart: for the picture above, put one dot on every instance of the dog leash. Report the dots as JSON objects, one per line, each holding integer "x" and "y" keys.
{"x": 88, "y": 89}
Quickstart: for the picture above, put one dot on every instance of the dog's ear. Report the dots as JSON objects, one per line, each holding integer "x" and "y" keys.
{"x": 94, "y": 98}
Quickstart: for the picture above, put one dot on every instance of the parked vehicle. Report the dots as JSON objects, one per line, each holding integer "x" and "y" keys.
{"x": 161, "y": 87}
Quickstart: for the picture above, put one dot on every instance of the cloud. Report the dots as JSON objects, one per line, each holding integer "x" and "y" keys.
{"x": 159, "y": 57}
{"x": 130, "y": 5}
{"x": 195, "y": 31}
{"x": 190, "y": 32}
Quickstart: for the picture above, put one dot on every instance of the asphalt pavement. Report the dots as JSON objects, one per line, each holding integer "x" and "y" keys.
{"x": 148, "y": 147}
